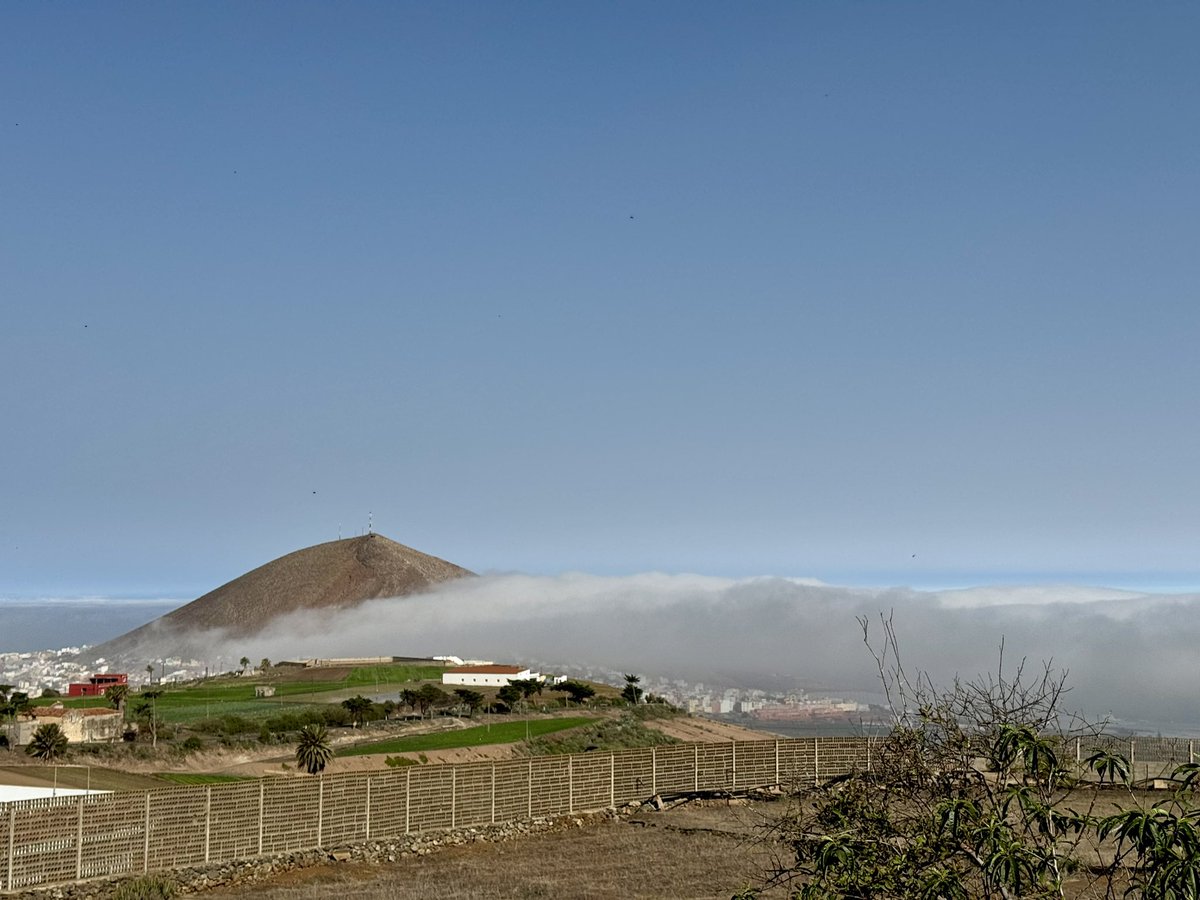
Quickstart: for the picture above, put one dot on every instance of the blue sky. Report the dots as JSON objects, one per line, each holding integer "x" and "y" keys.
{"x": 789, "y": 288}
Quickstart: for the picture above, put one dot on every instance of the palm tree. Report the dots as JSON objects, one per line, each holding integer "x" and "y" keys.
{"x": 632, "y": 692}
{"x": 312, "y": 751}
{"x": 48, "y": 743}
{"x": 264, "y": 665}
{"x": 115, "y": 694}
{"x": 245, "y": 662}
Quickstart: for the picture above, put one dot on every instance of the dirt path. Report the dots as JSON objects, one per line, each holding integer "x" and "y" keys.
{"x": 700, "y": 730}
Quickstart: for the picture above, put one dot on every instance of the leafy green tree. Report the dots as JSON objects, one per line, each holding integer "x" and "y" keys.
{"x": 244, "y": 662}
{"x": 928, "y": 820}
{"x": 510, "y": 695}
{"x": 527, "y": 686}
{"x": 358, "y": 707}
{"x": 264, "y": 664}
{"x": 312, "y": 750}
{"x": 409, "y": 698}
{"x": 472, "y": 700}
{"x": 17, "y": 704}
{"x": 430, "y": 697}
{"x": 48, "y": 743}
{"x": 146, "y": 713}
{"x": 632, "y": 692}
{"x": 577, "y": 690}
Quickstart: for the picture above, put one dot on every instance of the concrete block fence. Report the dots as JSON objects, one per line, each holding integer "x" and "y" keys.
{"x": 65, "y": 839}
{"x": 57, "y": 840}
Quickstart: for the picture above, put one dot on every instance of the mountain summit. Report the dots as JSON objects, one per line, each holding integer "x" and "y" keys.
{"x": 334, "y": 575}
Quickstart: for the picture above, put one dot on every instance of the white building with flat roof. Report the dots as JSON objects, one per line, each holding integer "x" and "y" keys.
{"x": 487, "y": 676}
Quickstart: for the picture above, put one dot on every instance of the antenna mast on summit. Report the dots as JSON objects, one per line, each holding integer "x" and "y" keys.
{"x": 370, "y": 527}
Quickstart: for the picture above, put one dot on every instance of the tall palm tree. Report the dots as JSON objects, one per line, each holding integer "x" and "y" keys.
{"x": 312, "y": 751}
{"x": 48, "y": 743}
{"x": 632, "y": 692}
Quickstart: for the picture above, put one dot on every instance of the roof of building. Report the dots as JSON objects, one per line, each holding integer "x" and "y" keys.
{"x": 487, "y": 670}
{"x": 57, "y": 711}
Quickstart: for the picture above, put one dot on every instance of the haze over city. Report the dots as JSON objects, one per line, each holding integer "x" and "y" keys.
{"x": 664, "y": 311}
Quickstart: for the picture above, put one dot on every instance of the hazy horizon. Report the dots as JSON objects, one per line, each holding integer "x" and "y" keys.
{"x": 1128, "y": 654}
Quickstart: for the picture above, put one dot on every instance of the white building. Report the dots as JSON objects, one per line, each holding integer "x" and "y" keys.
{"x": 487, "y": 676}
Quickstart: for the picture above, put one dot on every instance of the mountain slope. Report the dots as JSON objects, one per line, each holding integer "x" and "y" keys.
{"x": 334, "y": 575}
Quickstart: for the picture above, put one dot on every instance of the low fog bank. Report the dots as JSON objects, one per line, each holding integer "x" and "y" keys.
{"x": 1129, "y": 655}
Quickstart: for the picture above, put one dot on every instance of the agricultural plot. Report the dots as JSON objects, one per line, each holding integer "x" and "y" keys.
{"x": 503, "y": 733}
{"x": 225, "y": 696}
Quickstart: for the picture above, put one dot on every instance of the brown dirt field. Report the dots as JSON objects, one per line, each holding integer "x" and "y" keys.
{"x": 685, "y": 853}
{"x": 701, "y": 730}
{"x": 76, "y": 776}
{"x": 696, "y": 849}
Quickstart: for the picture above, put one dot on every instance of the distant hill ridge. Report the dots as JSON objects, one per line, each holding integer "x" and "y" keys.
{"x": 334, "y": 575}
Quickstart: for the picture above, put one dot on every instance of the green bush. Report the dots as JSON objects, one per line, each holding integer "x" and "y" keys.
{"x": 191, "y": 745}
{"x": 147, "y": 887}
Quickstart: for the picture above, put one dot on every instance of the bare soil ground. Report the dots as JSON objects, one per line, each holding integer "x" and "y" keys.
{"x": 701, "y": 730}
{"x": 699, "y": 849}
{"x": 690, "y": 852}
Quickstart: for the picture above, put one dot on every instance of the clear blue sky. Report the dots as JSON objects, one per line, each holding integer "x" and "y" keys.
{"x": 789, "y": 288}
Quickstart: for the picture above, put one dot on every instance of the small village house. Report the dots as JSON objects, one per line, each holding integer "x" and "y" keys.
{"x": 95, "y": 725}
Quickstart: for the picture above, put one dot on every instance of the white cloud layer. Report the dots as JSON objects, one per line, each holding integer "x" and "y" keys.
{"x": 1130, "y": 655}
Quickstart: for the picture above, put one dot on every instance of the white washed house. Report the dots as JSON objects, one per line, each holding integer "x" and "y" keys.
{"x": 486, "y": 676}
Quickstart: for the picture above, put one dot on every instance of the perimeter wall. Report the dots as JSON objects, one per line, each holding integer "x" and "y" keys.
{"x": 63, "y": 839}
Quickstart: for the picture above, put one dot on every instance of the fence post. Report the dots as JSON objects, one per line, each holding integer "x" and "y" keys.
{"x": 870, "y": 741}
{"x": 1191, "y": 751}
{"x": 207, "y": 819}
{"x": 529, "y": 801}
{"x": 571, "y": 784}
{"x": 261, "y": 806}
{"x": 1078, "y": 751}
{"x": 817, "y": 761}
{"x": 1132, "y": 766}
{"x": 12, "y": 832}
{"x": 733, "y": 744}
{"x": 612, "y": 780}
{"x": 407, "y": 799}
{"x": 79, "y": 842}
{"x": 777, "y": 781}
{"x": 653, "y": 771}
{"x": 696, "y": 768}
{"x": 453, "y": 796}
{"x": 146, "y": 836}
{"x": 368, "y": 807}
{"x": 320, "y": 808}
{"x": 493, "y": 793}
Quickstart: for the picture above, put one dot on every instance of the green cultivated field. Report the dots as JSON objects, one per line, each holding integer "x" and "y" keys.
{"x": 503, "y": 733}
{"x": 226, "y": 695}
{"x": 190, "y": 703}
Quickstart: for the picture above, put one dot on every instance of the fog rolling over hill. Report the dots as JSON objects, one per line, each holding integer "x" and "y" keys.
{"x": 1132, "y": 655}
{"x": 315, "y": 581}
